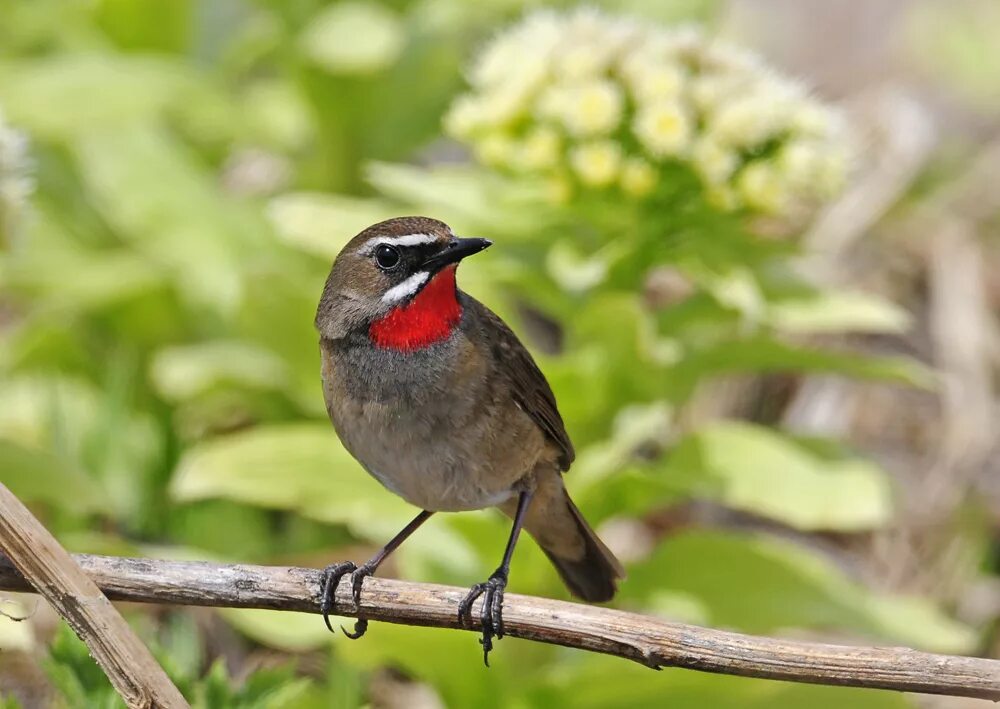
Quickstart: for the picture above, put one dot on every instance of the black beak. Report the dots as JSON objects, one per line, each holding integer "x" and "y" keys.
{"x": 456, "y": 250}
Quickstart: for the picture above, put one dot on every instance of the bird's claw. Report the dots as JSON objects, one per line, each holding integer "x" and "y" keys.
{"x": 358, "y": 577}
{"x": 491, "y": 616}
{"x": 328, "y": 585}
{"x": 330, "y": 579}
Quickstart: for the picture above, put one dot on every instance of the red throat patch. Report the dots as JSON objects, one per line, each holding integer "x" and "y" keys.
{"x": 430, "y": 317}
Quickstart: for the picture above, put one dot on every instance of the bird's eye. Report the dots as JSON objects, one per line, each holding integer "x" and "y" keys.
{"x": 386, "y": 257}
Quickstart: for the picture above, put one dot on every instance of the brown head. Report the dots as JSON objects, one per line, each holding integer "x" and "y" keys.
{"x": 391, "y": 273}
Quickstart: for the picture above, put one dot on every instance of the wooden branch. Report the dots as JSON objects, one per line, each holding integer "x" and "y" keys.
{"x": 49, "y": 570}
{"x": 650, "y": 641}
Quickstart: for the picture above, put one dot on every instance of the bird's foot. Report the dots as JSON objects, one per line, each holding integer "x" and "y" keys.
{"x": 491, "y": 616}
{"x": 358, "y": 577}
{"x": 328, "y": 587}
{"x": 329, "y": 581}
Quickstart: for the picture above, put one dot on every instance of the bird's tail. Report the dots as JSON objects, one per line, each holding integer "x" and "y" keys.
{"x": 587, "y": 567}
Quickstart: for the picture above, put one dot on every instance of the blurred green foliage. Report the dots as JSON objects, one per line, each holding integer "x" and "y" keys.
{"x": 197, "y": 166}
{"x": 81, "y": 683}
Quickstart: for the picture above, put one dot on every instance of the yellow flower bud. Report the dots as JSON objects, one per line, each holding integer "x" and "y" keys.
{"x": 750, "y": 120}
{"x": 708, "y": 91}
{"x": 539, "y": 150}
{"x": 799, "y": 161}
{"x": 656, "y": 82}
{"x": 714, "y": 162}
{"x": 552, "y": 103}
{"x": 580, "y": 62}
{"x": 638, "y": 177}
{"x": 597, "y": 163}
{"x": 495, "y": 149}
{"x": 762, "y": 187}
{"x": 503, "y": 105}
{"x": 663, "y": 128}
{"x": 464, "y": 117}
{"x": 814, "y": 120}
{"x": 519, "y": 53}
{"x": 594, "y": 108}
{"x": 565, "y": 83}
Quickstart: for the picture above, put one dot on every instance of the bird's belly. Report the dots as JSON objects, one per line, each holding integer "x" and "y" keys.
{"x": 439, "y": 493}
{"x": 426, "y": 466}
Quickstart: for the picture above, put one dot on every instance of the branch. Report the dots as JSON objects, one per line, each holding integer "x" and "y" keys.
{"x": 650, "y": 641}
{"x": 49, "y": 570}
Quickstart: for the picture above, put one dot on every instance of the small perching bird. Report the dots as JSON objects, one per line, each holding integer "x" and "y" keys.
{"x": 435, "y": 396}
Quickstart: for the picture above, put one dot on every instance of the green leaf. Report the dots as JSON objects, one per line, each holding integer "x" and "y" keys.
{"x": 469, "y": 199}
{"x": 275, "y": 688}
{"x": 764, "y": 585}
{"x": 277, "y": 113}
{"x": 9, "y": 701}
{"x": 69, "y": 424}
{"x": 761, "y": 471}
{"x": 837, "y": 312}
{"x": 291, "y": 632}
{"x": 452, "y": 662}
{"x": 80, "y": 281}
{"x": 322, "y": 224}
{"x": 304, "y": 468}
{"x": 300, "y": 467}
{"x": 51, "y": 412}
{"x": 598, "y": 682}
{"x": 76, "y": 676}
{"x": 147, "y": 24}
{"x": 736, "y": 288}
{"x": 634, "y": 427}
{"x": 40, "y": 476}
{"x": 214, "y": 689}
{"x": 277, "y": 314}
{"x": 152, "y": 190}
{"x": 54, "y": 96}
{"x": 354, "y": 37}
{"x": 577, "y": 272}
{"x": 185, "y": 372}
{"x": 762, "y": 354}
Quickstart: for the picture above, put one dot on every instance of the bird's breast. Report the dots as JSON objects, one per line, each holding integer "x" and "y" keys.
{"x": 431, "y": 425}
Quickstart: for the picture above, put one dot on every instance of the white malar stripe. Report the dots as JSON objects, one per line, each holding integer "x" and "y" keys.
{"x": 404, "y": 240}
{"x": 406, "y": 288}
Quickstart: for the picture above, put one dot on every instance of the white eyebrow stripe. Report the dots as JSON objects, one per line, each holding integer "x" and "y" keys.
{"x": 404, "y": 240}
{"x": 406, "y": 288}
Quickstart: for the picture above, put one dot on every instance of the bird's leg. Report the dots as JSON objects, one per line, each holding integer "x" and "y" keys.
{"x": 333, "y": 573}
{"x": 491, "y": 616}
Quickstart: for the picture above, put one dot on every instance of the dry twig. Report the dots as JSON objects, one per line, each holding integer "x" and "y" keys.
{"x": 49, "y": 570}
{"x": 650, "y": 641}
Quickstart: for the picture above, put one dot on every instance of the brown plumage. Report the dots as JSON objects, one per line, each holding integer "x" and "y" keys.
{"x": 438, "y": 399}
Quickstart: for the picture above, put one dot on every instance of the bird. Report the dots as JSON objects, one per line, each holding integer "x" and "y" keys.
{"x": 436, "y": 398}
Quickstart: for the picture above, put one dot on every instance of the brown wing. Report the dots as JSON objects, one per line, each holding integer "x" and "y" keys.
{"x": 528, "y": 385}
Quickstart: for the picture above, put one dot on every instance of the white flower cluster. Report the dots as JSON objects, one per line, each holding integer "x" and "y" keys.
{"x": 590, "y": 100}
{"x": 15, "y": 178}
